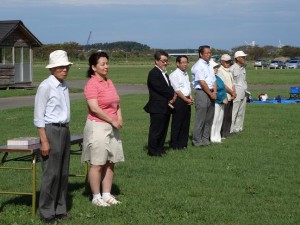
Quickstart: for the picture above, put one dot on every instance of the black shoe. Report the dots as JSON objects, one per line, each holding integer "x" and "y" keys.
{"x": 155, "y": 154}
{"x": 50, "y": 220}
{"x": 63, "y": 217}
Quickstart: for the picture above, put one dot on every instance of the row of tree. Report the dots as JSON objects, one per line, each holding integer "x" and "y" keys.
{"x": 130, "y": 49}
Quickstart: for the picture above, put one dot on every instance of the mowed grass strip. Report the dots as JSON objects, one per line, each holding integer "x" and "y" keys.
{"x": 251, "y": 178}
{"x": 137, "y": 73}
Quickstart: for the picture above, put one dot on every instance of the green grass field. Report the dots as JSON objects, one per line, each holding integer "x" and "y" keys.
{"x": 131, "y": 73}
{"x": 137, "y": 73}
{"x": 251, "y": 178}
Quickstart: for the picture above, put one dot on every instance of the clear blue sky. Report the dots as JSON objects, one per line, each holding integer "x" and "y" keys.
{"x": 168, "y": 24}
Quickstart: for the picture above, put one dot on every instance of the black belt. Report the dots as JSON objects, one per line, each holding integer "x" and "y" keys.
{"x": 60, "y": 124}
{"x": 212, "y": 90}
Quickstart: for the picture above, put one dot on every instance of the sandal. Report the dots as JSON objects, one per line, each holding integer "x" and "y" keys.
{"x": 100, "y": 202}
{"x": 111, "y": 200}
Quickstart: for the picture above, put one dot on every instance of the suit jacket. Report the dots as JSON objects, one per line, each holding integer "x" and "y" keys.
{"x": 160, "y": 93}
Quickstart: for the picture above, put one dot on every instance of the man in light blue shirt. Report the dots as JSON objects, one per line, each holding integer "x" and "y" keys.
{"x": 204, "y": 83}
{"x": 52, "y": 117}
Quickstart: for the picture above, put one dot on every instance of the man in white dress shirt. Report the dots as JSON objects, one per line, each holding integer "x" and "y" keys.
{"x": 182, "y": 114}
{"x": 52, "y": 117}
{"x": 204, "y": 83}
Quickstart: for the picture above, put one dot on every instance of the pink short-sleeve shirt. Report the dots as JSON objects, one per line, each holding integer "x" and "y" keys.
{"x": 106, "y": 94}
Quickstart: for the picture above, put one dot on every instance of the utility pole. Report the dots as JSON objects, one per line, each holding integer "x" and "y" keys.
{"x": 88, "y": 40}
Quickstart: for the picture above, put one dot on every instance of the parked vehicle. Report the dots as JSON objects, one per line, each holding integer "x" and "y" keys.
{"x": 293, "y": 64}
{"x": 277, "y": 64}
{"x": 261, "y": 63}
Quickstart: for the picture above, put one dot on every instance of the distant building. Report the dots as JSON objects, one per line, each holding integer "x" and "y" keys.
{"x": 16, "y": 46}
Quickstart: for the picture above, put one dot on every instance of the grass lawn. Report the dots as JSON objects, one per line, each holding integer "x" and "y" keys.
{"x": 137, "y": 74}
{"x": 251, "y": 178}
{"x": 22, "y": 92}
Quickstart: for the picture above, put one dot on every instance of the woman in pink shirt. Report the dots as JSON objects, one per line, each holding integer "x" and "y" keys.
{"x": 102, "y": 146}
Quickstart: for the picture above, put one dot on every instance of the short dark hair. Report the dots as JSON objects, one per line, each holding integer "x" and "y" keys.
{"x": 201, "y": 48}
{"x": 178, "y": 58}
{"x": 93, "y": 61}
{"x": 159, "y": 53}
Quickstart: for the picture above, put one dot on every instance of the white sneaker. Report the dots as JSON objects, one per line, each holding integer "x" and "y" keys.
{"x": 100, "y": 202}
{"x": 111, "y": 200}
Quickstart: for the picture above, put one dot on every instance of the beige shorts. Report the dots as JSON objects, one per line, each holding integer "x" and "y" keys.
{"x": 101, "y": 143}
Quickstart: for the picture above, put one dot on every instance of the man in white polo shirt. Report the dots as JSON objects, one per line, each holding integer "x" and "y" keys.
{"x": 204, "y": 83}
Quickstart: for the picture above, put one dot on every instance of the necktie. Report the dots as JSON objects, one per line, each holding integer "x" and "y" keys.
{"x": 167, "y": 78}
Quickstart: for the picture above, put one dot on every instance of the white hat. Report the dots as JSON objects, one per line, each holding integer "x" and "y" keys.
{"x": 239, "y": 54}
{"x": 58, "y": 58}
{"x": 213, "y": 63}
{"x": 225, "y": 57}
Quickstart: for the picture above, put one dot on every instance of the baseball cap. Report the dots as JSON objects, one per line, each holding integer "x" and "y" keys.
{"x": 225, "y": 57}
{"x": 239, "y": 54}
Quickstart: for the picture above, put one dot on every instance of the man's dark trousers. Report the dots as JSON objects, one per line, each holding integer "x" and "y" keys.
{"x": 225, "y": 130}
{"x": 180, "y": 124}
{"x": 159, "y": 124}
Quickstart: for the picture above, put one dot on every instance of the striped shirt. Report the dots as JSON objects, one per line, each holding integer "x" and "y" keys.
{"x": 106, "y": 94}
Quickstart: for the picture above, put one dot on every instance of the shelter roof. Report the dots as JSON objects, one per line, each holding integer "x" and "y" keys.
{"x": 7, "y": 27}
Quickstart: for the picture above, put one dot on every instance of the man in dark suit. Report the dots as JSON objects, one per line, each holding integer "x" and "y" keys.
{"x": 161, "y": 97}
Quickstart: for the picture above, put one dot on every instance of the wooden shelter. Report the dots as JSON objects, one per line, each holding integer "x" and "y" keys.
{"x": 16, "y": 46}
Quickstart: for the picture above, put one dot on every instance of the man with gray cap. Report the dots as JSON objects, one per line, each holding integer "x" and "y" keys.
{"x": 225, "y": 74}
{"x": 52, "y": 117}
{"x": 239, "y": 103}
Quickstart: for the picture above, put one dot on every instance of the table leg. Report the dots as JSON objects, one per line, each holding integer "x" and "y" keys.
{"x": 4, "y": 158}
{"x": 34, "y": 184}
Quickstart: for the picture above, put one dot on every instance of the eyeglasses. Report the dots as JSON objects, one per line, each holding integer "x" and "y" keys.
{"x": 164, "y": 61}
